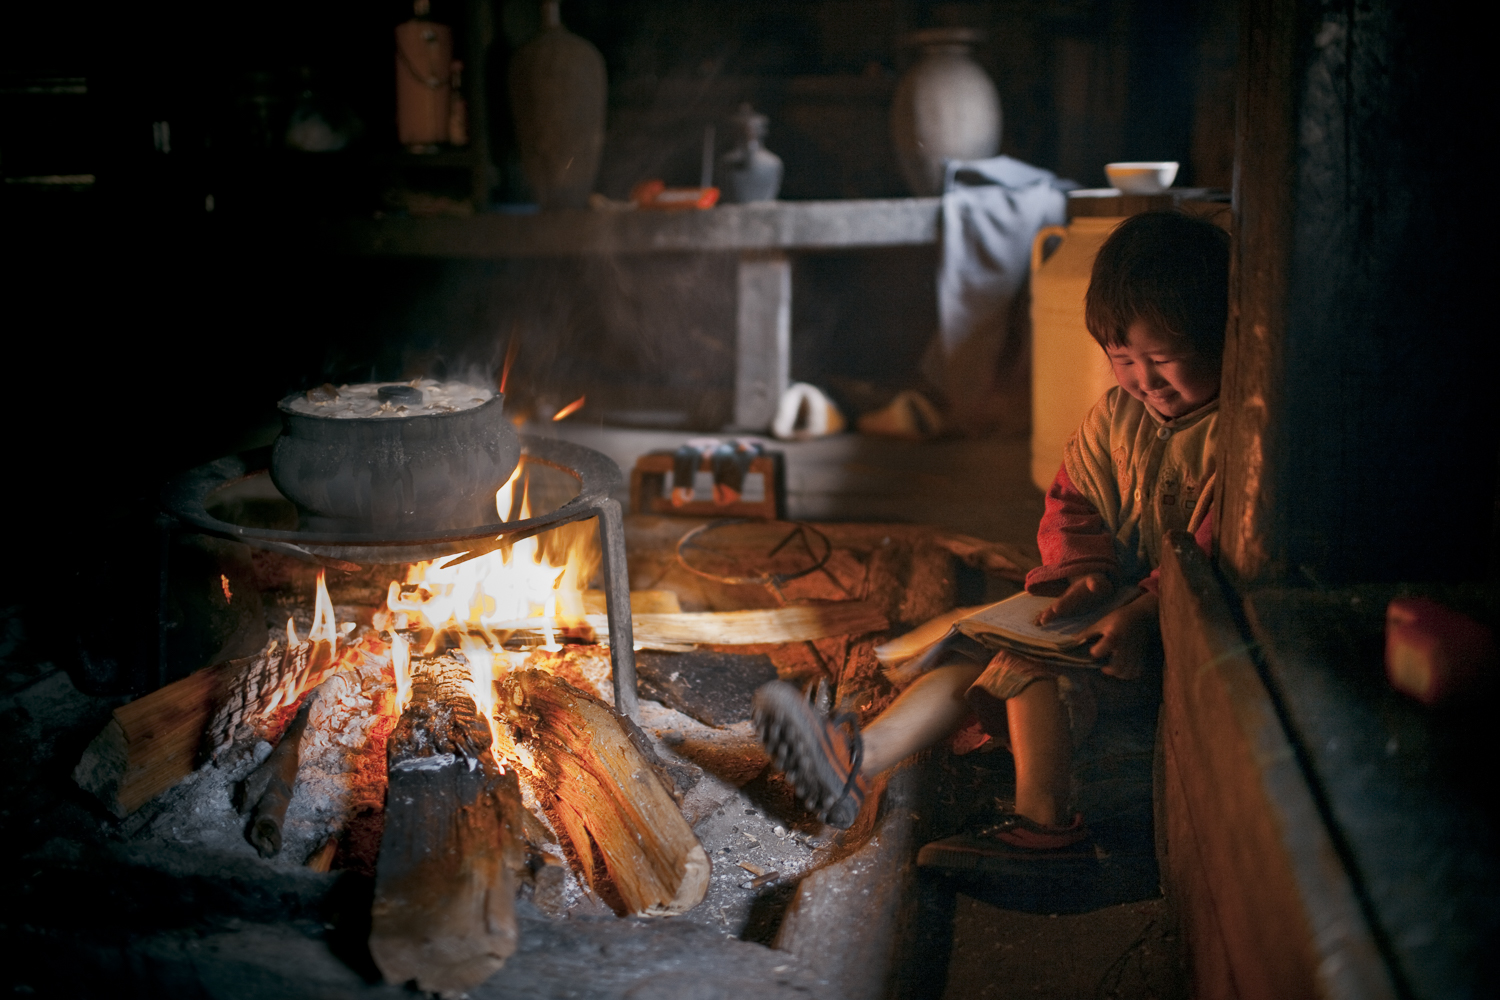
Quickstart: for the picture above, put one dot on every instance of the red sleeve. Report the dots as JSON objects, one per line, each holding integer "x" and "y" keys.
{"x": 1204, "y": 536}
{"x": 1072, "y": 538}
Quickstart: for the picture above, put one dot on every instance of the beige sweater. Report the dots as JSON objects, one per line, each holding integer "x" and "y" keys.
{"x": 1145, "y": 475}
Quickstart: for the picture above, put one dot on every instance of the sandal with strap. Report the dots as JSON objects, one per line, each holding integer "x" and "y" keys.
{"x": 820, "y": 755}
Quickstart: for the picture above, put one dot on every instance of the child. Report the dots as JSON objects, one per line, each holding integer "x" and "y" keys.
{"x": 1142, "y": 463}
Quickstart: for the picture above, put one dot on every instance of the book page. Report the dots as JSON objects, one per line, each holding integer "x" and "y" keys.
{"x": 1015, "y": 618}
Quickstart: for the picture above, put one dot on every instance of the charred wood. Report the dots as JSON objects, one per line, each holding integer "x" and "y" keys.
{"x": 268, "y": 789}
{"x": 152, "y": 743}
{"x": 445, "y": 883}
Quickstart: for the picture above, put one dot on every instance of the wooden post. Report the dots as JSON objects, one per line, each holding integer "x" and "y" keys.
{"x": 444, "y": 910}
{"x": 1358, "y": 414}
{"x": 606, "y": 795}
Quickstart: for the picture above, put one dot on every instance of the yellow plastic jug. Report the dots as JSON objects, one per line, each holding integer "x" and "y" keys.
{"x": 1069, "y": 371}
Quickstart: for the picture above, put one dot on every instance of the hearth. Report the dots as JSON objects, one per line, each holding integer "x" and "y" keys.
{"x": 191, "y": 497}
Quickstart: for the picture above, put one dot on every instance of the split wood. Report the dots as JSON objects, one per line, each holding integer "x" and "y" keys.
{"x": 445, "y": 881}
{"x": 794, "y": 623}
{"x": 606, "y": 796}
{"x": 152, "y": 743}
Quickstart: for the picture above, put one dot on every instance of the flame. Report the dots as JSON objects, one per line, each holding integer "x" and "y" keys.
{"x": 228, "y": 594}
{"x": 570, "y": 409}
{"x": 511, "y": 350}
{"x": 541, "y": 576}
{"x": 478, "y": 602}
{"x": 401, "y": 664}
{"x": 324, "y": 628}
{"x": 503, "y": 496}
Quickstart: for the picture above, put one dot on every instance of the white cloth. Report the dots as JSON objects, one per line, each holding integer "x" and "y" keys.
{"x": 992, "y": 210}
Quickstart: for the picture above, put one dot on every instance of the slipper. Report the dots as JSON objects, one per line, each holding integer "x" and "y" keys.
{"x": 1014, "y": 838}
{"x": 820, "y": 755}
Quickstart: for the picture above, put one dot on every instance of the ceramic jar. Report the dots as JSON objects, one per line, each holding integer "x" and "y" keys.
{"x": 946, "y": 108}
{"x": 1069, "y": 371}
{"x": 424, "y": 61}
{"x": 749, "y": 171}
{"x": 557, "y": 93}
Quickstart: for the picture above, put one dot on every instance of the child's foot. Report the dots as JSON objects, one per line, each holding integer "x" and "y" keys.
{"x": 1013, "y": 838}
{"x": 821, "y": 756}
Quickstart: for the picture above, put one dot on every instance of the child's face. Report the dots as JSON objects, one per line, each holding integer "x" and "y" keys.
{"x": 1166, "y": 373}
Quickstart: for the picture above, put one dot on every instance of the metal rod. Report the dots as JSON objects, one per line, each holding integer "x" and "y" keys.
{"x": 617, "y": 607}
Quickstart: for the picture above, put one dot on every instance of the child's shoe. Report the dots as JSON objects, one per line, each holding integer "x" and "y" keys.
{"x": 820, "y": 755}
{"x": 1013, "y": 838}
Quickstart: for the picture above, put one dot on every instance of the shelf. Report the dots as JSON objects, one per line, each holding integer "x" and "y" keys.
{"x": 768, "y": 226}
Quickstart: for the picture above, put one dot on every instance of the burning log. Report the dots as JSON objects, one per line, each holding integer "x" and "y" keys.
{"x": 606, "y": 795}
{"x": 154, "y": 742}
{"x": 445, "y": 880}
{"x": 268, "y": 789}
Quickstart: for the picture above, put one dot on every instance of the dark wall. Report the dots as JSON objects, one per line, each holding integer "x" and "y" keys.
{"x": 1360, "y": 430}
{"x": 174, "y": 297}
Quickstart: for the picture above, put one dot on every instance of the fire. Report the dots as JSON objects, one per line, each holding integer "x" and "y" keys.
{"x": 324, "y": 628}
{"x": 478, "y": 602}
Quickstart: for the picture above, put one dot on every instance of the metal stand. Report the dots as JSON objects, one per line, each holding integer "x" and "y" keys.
{"x": 188, "y": 496}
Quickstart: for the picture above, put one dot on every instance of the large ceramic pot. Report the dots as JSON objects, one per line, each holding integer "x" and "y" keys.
{"x": 430, "y": 472}
{"x": 946, "y": 108}
{"x": 557, "y": 93}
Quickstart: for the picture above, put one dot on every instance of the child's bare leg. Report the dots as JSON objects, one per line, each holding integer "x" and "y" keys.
{"x": 931, "y": 709}
{"x": 1043, "y": 749}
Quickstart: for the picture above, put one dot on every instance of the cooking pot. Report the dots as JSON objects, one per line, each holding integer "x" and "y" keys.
{"x": 398, "y": 473}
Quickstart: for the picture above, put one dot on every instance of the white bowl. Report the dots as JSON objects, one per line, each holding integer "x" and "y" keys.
{"x": 1152, "y": 177}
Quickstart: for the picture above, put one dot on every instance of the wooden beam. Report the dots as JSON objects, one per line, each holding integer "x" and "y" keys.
{"x": 605, "y": 795}
{"x": 445, "y": 881}
{"x": 1268, "y": 909}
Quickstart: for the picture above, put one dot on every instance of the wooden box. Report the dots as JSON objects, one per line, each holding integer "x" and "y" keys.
{"x": 764, "y": 494}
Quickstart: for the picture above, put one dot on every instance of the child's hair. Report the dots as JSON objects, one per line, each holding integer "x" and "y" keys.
{"x": 1166, "y": 269}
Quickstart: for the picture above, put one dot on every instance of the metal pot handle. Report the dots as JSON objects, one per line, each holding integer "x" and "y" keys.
{"x": 1061, "y": 232}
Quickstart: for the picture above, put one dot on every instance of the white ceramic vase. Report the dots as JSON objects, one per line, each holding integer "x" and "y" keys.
{"x": 946, "y": 108}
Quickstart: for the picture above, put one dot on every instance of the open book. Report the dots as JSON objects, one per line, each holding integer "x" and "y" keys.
{"x": 979, "y": 633}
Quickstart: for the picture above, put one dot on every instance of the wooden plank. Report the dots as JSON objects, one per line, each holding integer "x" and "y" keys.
{"x": 1287, "y": 916}
{"x": 607, "y": 797}
{"x": 794, "y": 623}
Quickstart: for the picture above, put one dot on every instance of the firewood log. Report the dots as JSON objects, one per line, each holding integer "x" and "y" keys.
{"x": 445, "y": 881}
{"x": 794, "y": 623}
{"x": 999, "y": 558}
{"x": 152, "y": 743}
{"x": 605, "y": 795}
{"x": 268, "y": 789}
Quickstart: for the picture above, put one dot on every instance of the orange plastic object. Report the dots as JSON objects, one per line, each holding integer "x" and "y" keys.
{"x": 656, "y": 194}
{"x": 1433, "y": 653}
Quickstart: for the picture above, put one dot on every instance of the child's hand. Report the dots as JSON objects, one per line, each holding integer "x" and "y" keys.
{"x": 1083, "y": 593}
{"x": 1125, "y": 636}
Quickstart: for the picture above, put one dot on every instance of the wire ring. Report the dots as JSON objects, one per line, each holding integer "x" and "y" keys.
{"x": 772, "y": 580}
